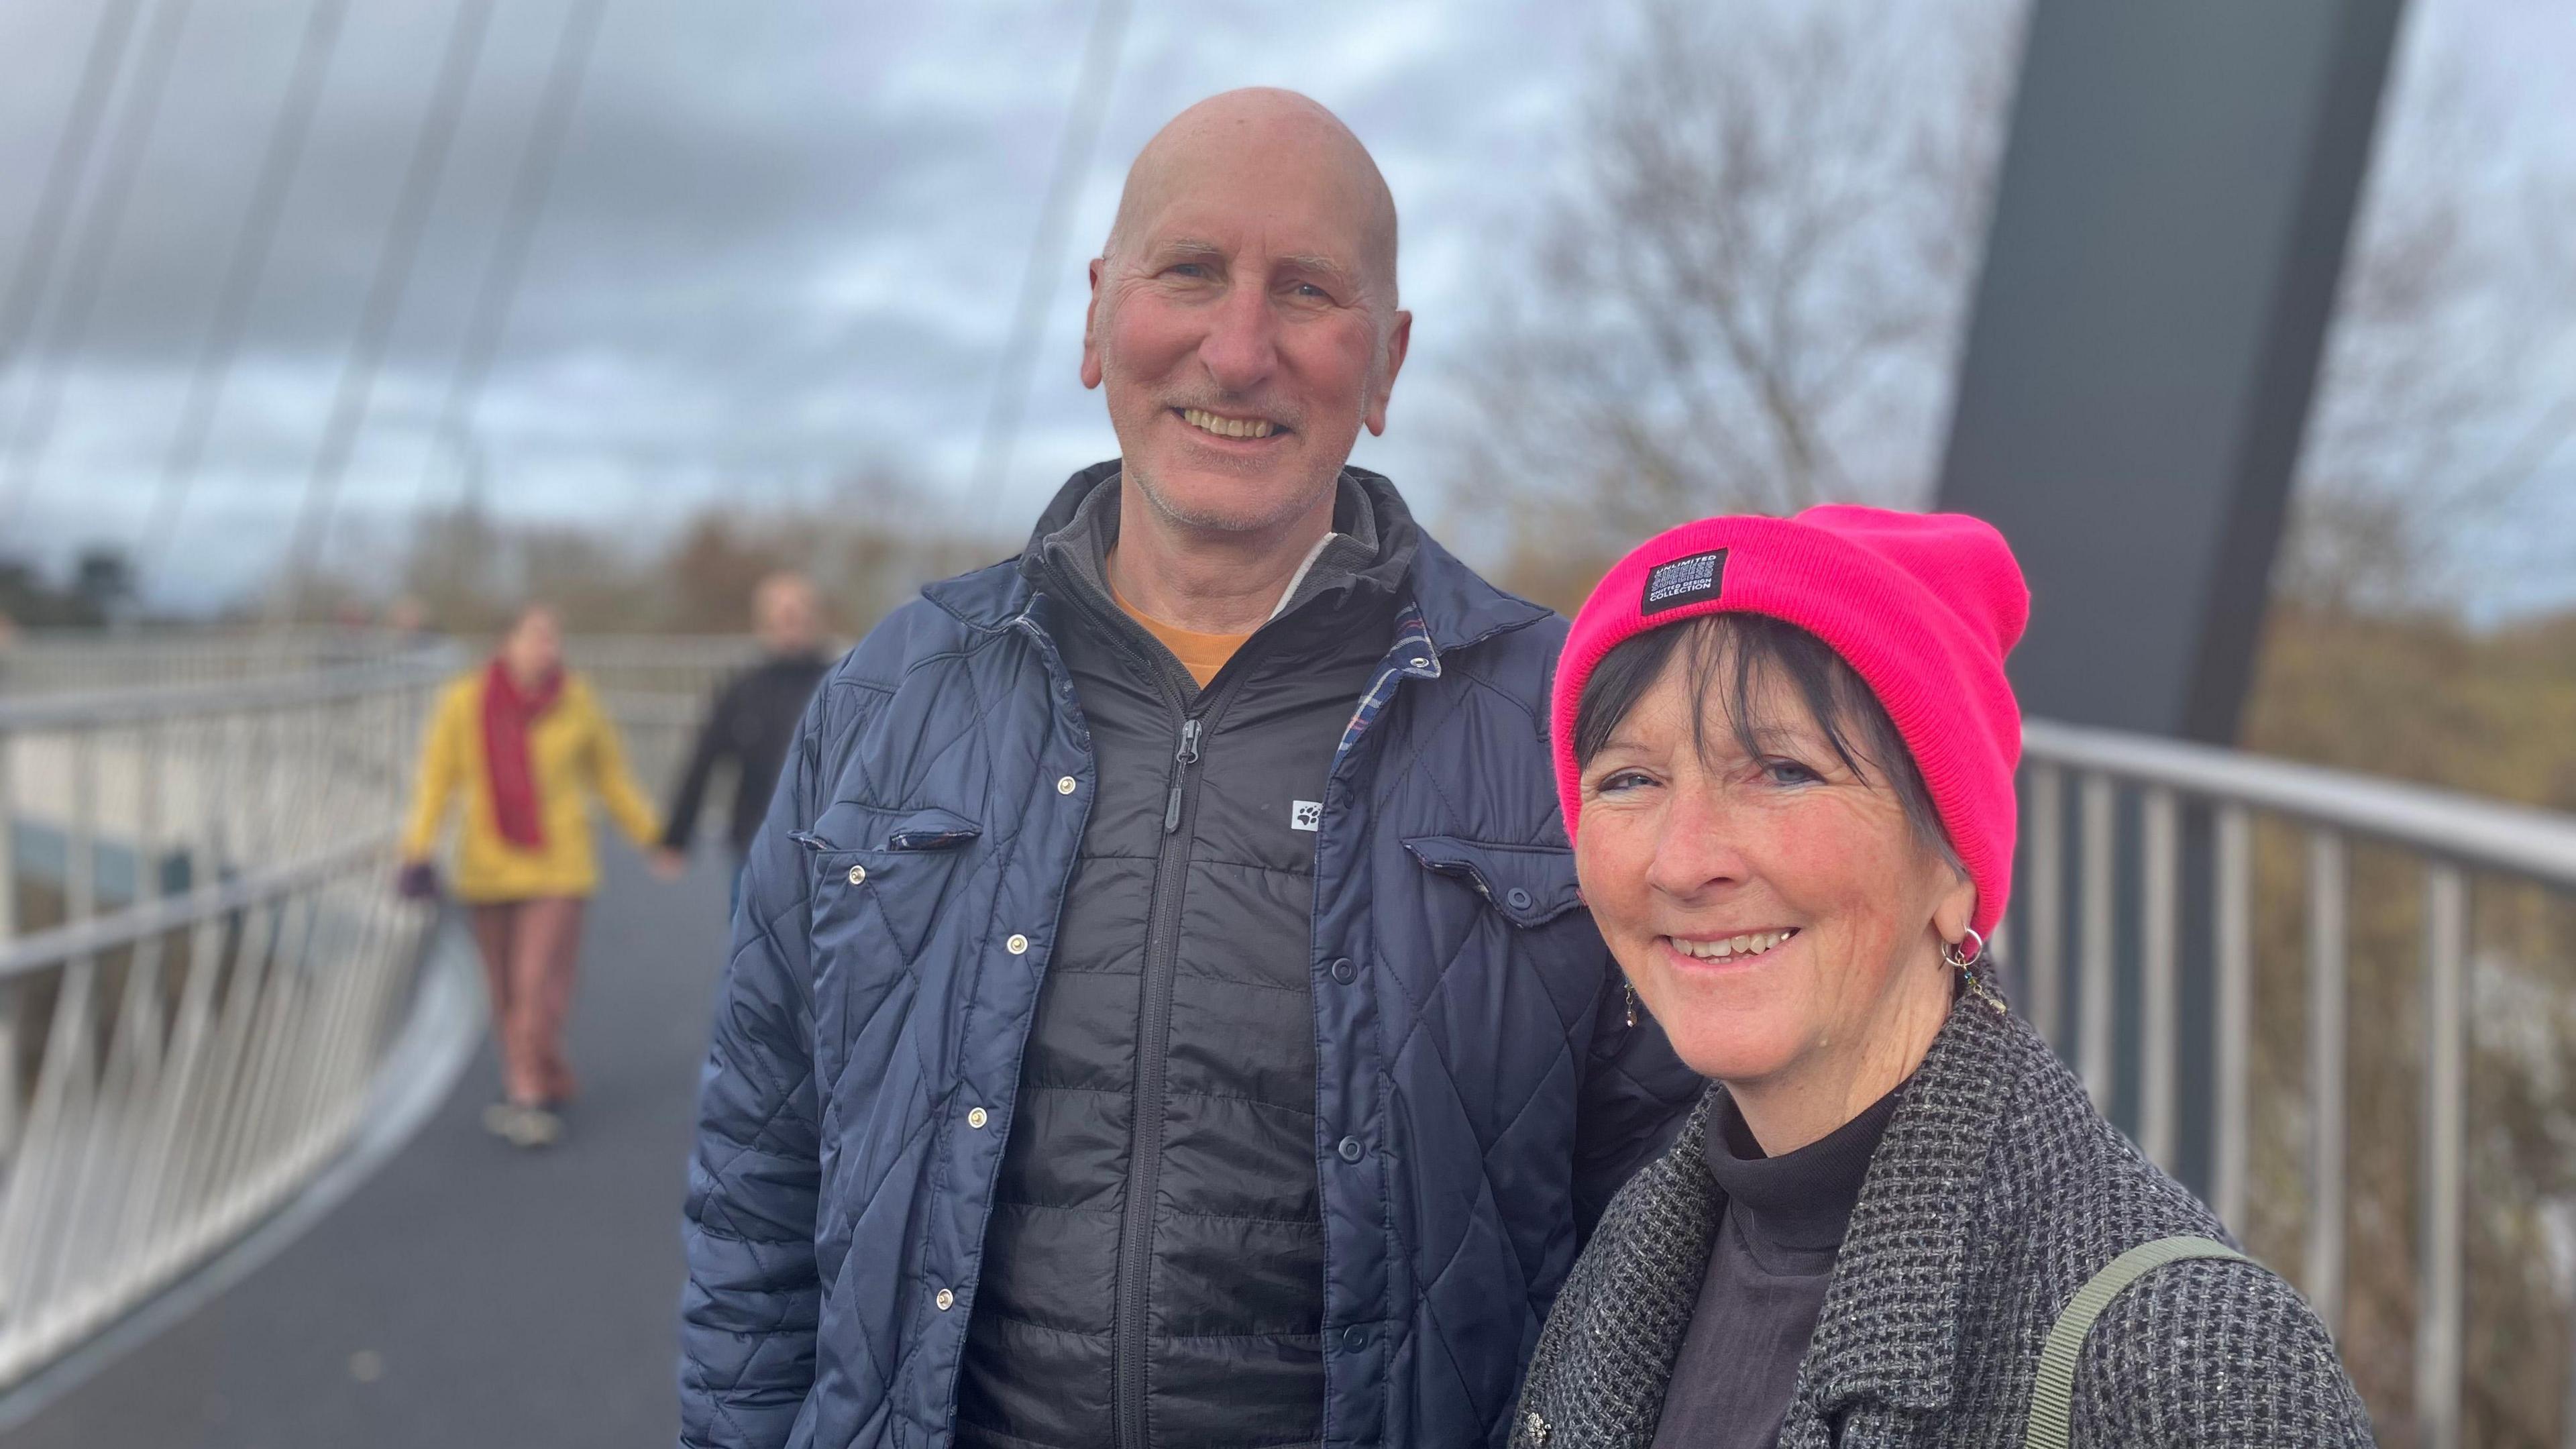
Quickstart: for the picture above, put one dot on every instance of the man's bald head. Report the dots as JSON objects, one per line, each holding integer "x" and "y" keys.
{"x": 1258, "y": 128}
{"x": 1243, "y": 318}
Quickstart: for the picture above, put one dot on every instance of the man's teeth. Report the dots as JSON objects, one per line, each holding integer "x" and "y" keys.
{"x": 1752, "y": 945}
{"x": 1228, "y": 427}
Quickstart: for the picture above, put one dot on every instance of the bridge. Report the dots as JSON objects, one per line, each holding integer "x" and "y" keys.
{"x": 245, "y": 1198}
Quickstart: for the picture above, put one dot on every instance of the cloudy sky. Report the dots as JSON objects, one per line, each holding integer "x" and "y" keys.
{"x": 783, "y": 244}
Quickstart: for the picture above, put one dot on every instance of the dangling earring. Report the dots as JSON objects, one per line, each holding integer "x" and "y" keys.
{"x": 1630, "y": 988}
{"x": 1964, "y": 953}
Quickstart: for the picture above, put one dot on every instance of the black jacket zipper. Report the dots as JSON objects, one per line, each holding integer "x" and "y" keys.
{"x": 1153, "y": 1050}
{"x": 1133, "y": 1293}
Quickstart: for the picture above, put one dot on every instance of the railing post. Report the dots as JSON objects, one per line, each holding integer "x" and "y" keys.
{"x": 8, "y": 837}
{"x": 2234, "y": 950}
{"x": 2161, "y": 1034}
{"x": 2326, "y": 1005}
{"x": 2446, "y": 1031}
{"x": 12, "y": 1108}
{"x": 2045, "y": 951}
{"x": 2093, "y": 1037}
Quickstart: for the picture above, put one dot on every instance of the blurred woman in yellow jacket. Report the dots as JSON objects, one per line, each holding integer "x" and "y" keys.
{"x": 527, "y": 745}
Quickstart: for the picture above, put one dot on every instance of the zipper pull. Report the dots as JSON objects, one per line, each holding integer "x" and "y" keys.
{"x": 1182, "y": 758}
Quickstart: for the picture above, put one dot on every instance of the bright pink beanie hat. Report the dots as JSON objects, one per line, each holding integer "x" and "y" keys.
{"x": 1923, "y": 606}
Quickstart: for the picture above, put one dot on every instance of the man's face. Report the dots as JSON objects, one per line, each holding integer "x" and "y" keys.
{"x": 787, "y": 617}
{"x": 1243, "y": 339}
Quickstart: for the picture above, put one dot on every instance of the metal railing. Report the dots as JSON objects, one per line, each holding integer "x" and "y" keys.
{"x": 2122, "y": 859}
{"x": 50, "y": 661}
{"x": 199, "y": 959}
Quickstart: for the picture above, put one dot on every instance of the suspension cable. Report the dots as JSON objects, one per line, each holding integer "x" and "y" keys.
{"x": 279, "y": 162}
{"x": 384, "y": 302}
{"x": 32, "y": 438}
{"x": 528, "y": 193}
{"x": 1092, "y": 85}
{"x": 63, "y": 176}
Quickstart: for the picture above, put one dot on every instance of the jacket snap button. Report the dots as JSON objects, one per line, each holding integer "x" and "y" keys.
{"x": 858, "y": 875}
{"x": 1344, "y": 972}
{"x": 1354, "y": 1338}
{"x": 977, "y": 1117}
{"x": 946, "y": 1300}
{"x": 1519, "y": 898}
{"x": 1018, "y": 945}
{"x": 1351, "y": 1149}
{"x": 1065, "y": 786}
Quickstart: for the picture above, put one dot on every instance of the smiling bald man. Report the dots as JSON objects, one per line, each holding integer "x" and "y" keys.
{"x": 1160, "y": 1011}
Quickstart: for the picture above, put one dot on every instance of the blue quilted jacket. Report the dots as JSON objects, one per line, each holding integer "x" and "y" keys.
{"x": 897, "y": 914}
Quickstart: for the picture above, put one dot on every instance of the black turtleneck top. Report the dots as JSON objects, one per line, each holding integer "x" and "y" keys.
{"x": 1775, "y": 1249}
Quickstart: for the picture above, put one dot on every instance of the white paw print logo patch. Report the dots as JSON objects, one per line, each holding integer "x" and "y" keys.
{"x": 1306, "y": 815}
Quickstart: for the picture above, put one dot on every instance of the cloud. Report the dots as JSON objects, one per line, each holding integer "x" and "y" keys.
{"x": 784, "y": 243}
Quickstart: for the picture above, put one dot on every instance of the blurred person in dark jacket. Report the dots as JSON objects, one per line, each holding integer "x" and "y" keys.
{"x": 753, "y": 718}
{"x": 1160, "y": 1011}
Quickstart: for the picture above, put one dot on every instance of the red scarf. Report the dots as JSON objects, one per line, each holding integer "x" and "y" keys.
{"x": 507, "y": 714}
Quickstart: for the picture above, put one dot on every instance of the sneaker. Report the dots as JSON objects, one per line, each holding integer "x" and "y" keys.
{"x": 498, "y": 1116}
{"x": 534, "y": 1127}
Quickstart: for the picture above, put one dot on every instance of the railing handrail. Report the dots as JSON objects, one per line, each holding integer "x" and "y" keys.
{"x": 142, "y": 703}
{"x": 130, "y": 924}
{"x": 2490, "y": 834}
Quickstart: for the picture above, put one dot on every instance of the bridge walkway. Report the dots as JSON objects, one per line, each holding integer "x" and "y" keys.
{"x": 470, "y": 1293}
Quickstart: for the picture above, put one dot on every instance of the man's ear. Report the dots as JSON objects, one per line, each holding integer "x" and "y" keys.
{"x": 1398, "y": 338}
{"x": 1091, "y": 328}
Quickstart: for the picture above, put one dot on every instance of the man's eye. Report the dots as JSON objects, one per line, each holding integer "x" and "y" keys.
{"x": 1195, "y": 271}
{"x": 1780, "y": 771}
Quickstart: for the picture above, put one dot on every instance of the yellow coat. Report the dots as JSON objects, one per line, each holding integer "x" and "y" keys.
{"x": 573, "y": 751}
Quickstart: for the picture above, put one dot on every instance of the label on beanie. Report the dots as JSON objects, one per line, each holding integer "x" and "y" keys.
{"x": 1684, "y": 581}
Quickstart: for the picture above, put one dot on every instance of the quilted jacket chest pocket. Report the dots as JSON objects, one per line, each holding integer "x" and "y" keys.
{"x": 1521, "y": 900}
{"x": 1527, "y": 885}
{"x": 875, "y": 907}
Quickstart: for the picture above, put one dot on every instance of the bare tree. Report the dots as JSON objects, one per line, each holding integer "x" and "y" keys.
{"x": 2448, "y": 386}
{"x": 869, "y": 547}
{"x": 1749, "y": 295}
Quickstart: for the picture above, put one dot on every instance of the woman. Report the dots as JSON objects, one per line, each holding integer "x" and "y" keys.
{"x": 1785, "y": 750}
{"x": 528, "y": 745}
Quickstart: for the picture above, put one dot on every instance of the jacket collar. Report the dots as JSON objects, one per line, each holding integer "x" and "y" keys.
{"x": 1910, "y": 1228}
{"x": 1909, "y": 1231}
{"x": 1458, "y": 608}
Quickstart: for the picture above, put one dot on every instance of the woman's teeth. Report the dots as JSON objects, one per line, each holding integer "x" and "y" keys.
{"x": 1228, "y": 427}
{"x": 1732, "y": 947}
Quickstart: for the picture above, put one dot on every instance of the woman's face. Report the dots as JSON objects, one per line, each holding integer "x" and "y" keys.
{"x": 534, "y": 645}
{"x": 1776, "y": 912}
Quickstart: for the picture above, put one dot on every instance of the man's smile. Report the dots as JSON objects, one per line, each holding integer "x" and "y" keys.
{"x": 1219, "y": 425}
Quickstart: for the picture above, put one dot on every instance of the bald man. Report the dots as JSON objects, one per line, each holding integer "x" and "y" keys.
{"x": 1161, "y": 1012}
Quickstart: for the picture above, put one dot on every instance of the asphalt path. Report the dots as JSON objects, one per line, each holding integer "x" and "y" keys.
{"x": 470, "y": 1292}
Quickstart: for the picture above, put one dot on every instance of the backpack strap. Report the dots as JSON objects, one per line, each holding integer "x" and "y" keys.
{"x": 2052, "y": 1398}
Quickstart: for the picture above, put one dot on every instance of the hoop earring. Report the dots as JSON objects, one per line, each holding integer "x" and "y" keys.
{"x": 1965, "y": 952}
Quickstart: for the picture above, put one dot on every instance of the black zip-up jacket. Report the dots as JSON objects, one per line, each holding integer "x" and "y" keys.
{"x": 1154, "y": 1271}
{"x": 752, "y": 721}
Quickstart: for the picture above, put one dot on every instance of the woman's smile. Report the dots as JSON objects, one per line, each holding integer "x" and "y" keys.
{"x": 1736, "y": 951}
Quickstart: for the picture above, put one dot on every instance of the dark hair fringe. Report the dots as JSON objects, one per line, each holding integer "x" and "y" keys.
{"x": 1746, "y": 648}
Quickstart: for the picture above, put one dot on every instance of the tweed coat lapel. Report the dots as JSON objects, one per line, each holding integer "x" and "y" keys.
{"x": 1889, "y": 1332}
{"x": 1886, "y": 1346}
{"x": 1640, "y": 1288}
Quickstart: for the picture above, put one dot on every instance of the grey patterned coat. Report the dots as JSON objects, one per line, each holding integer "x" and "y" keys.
{"x": 1995, "y": 1193}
